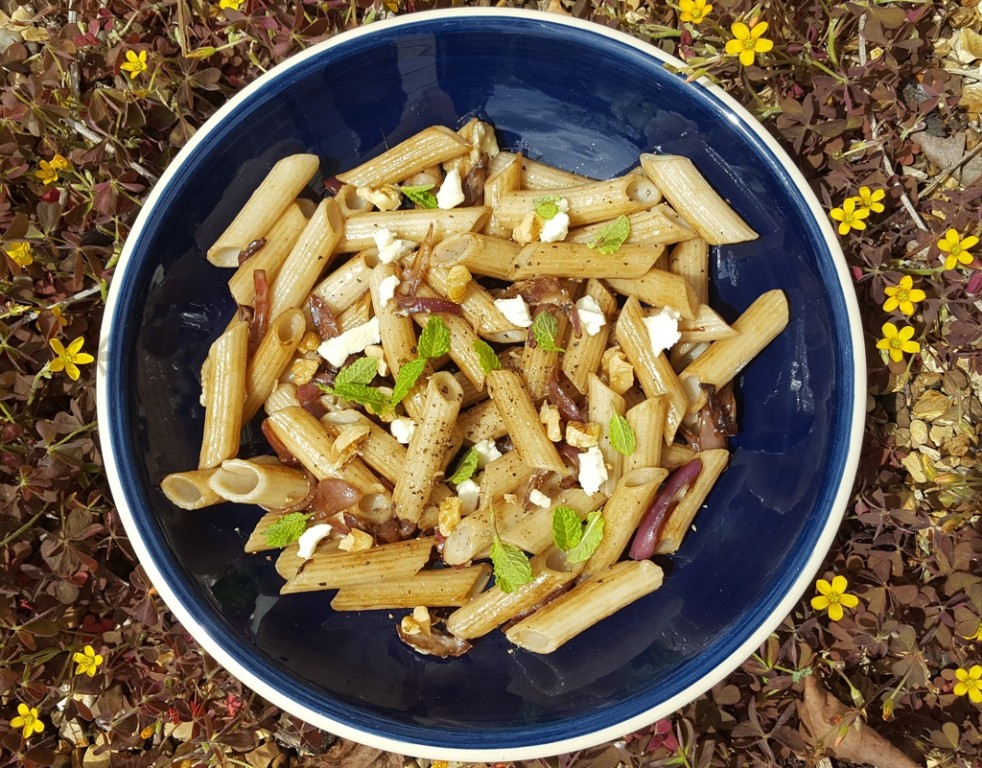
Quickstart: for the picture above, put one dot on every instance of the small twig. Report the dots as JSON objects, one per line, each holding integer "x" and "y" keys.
{"x": 939, "y": 179}
{"x": 94, "y": 137}
{"x": 888, "y": 167}
{"x": 862, "y": 39}
{"x": 975, "y": 74}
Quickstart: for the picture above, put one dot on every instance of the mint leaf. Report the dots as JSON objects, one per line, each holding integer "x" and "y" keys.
{"x": 567, "y": 530}
{"x": 486, "y": 356}
{"x": 612, "y": 236}
{"x": 363, "y": 395}
{"x": 434, "y": 341}
{"x": 593, "y": 533}
{"x": 286, "y": 530}
{"x": 361, "y": 371}
{"x": 622, "y": 437}
{"x": 421, "y": 195}
{"x": 466, "y": 468}
{"x": 544, "y": 329}
{"x": 409, "y": 374}
{"x": 512, "y": 568}
{"x": 547, "y": 206}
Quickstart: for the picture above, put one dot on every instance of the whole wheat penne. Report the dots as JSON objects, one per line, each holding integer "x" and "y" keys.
{"x": 443, "y": 587}
{"x": 539, "y": 365}
{"x": 578, "y": 261}
{"x": 431, "y": 146}
{"x": 427, "y": 453}
{"x": 348, "y": 283}
{"x": 268, "y": 484}
{"x": 358, "y": 313}
{"x": 462, "y": 340}
{"x": 494, "y": 606}
{"x": 279, "y": 241}
{"x": 660, "y": 288}
{"x": 413, "y": 225}
{"x": 190, "y": 490}
{"x": 707, "y": 325}
{"x": 257, "y": 541}
{"x": 224, "y": 395}
{"x": 386, "y": 562}
{"x": 472, "y": 394}
{"x": 284, "y": 395}
{"x": 647, "y": 420}
{"x": 584, "y": 352}
{"x": 271, "y": 358}
{"x": 311, "y": 255}
{"x": 654, "y": 372}
{"x": 533, "y": 532}
{"x": 695, "y": 199}
{"x": 396, "y": 330}
{"x": 271, "y": 198}
{"x": 476, "y": 305}
{"x": 306, "y": 439}
{"x": 680, "y": 520}
{"x": 350, "y": 202}
{"x": 504, "y": 176}
{"x": 504, "y": 475}
{"x": 481, "y": 422}
{"x": 690, "y": 259}
{"x": 759, "y": 324}
{"x": 481, "y": 254}
{"x": 658, "y": 225}
{"x": 517, "y": 411}
{"x": 604, "y": 404}
{"x": 380, "y": 450}
{"x": 537, "y": 175}
{"x": 622, "y": 513}
{"x": 585, "y": 604}
{"x": 588, "y": 203}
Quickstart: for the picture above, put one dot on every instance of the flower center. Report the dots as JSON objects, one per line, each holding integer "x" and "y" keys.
{"x": 750, "y": 44}
{"x": 895, "y": 343}
{"x": 902, "y": 295}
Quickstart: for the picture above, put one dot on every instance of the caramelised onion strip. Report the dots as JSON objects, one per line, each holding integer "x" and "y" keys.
{"x": 281, "y": 451}
{"x": 301, "y": 504}
{"x": 323, "y": 318}
{"x": 332, "y": 495}
{"x": 250, "y": 250}
{"x": 679, "y": 484}
{"x": 411, "y": 305}
{"x": 473, "y": 184}
{"x": 260, "y": 317}
{"x": 413, "y": 276}
{"x": 561, "y": 399}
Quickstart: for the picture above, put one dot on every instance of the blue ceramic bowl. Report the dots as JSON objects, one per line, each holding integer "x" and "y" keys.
{"x": 580, "y": 97}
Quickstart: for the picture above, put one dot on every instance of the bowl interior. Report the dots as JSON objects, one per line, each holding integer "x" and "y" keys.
{"x": 582, "y": 99}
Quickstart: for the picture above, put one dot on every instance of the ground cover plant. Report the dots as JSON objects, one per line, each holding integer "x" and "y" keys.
{"x": 878, "y": 102}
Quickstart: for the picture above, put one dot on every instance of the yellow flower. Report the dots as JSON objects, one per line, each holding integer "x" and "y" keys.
{"x": 903, "y": 295}
{"x": 833, "y": 597}
{"x": 897, "y": 342}
{"x": 233, "y": 4}
{"x": 969, "y": 682}
{"x": 28, "y": 719}
{"x": 20, "y": 254}
{"x": 977, "y": 635}
{"x": 135, "y": 64}
{"x": 695, "y": 11}
{"x": 48, "y": 172}
{"x": 870, "y": 199}
{"x": 957, "y": 248}
{"x": 69, "y": 359}
{"x": 849, "y": 215}
{"x": 748, "y": 42}
{"x": 88, "y": 661}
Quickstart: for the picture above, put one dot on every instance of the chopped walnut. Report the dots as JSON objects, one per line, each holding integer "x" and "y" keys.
{"x": 356, "y": 541}
{"x": 449, "y": 516}
{"x": 348, "y": 441}
{"x": 309, "y": 343}
{"x": 620, "y": 373}
{"x": 385, "y": 198}
{"x": 528, "y": 231}
{"x": 458, "y": 278}
{"x": 419, "y": 621}
{"x": 583, "y": 435}
{"x": 549, "y": 416}
{"x": 303, "y": 370}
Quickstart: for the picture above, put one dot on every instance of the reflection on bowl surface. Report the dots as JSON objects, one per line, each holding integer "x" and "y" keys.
{"x": 584, "y": 99}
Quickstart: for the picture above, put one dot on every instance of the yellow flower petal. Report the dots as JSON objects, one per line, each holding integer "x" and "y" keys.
{"x": 839, "y": 584}
{"x": 820, "y": 602}
{"x": 740, "y": 30}
{"x": 823, "y": 587}
{"x": 835, "y": 612}
{"x": 746, "y": 57}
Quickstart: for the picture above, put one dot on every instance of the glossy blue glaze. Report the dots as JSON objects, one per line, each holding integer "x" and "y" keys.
{"x": 580, "y": 100}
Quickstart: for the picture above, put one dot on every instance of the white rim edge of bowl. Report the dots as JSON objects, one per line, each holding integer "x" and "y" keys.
{"x": 586, "y": 740}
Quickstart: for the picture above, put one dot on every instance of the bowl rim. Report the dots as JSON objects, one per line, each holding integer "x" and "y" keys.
{"x": 807, "y": 570}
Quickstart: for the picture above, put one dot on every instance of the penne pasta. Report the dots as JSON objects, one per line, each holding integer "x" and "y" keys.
{"x": 579, "y": 261}
{"x": 190, "y": 490}
{"x": 360, "y": 230}
{"x": 429, "y": 147}
{"x": 224, "y": 389}
{"x": 335, "y": 570}
{"x": 277, "y": 244}
{"x": 268, "y": 484}
{"x": 519, "y": 415}
{"x": 659, "y": 288}
{"x": 444, "y": 587}
{"x": 680, "y": 520}
{"x": 271, "y": 359}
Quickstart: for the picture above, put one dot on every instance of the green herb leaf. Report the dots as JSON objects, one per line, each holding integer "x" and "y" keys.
{"x": 434, "y": 341}
{"x": 409, "y": 374}
{"x": 486, "y": 356}
{"x": 612, "y": 236}
{"x": 466, "y": 468}
{"x": 361, "y": 394}
{"x": 361, "y": 371}
{"x": 622, "y": 437}
{"x": 544, "y": 329}
{"x": 512, "y": 568}
{"x": 286, "y": 530}
{"x": 593, "y": 533}
{"x": 421, "y": 195}
{"x": 546, "y": 206}
{"x": 567, "y": 530}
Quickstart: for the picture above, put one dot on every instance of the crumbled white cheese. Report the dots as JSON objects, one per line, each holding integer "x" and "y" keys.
{"x": 591, "y": 316}
{"x": 593, "y": 471}
{"x": 387, "y": 289}
{"x": 487, "y": 452}
{"x": 538, "y": 498}
{"x": 389, "y": 248}
{"x": 402, "y": 429}
{"x": 468, "y": 492}
{"x": 351, "y": 342}
{"x": 555, "y": 229}
{"x": 663, "y": 329}
{"x": 451, "y": 193}
{"x": 310, "y": 538}
{"x": 515, "y": 310}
